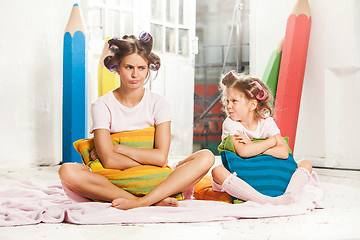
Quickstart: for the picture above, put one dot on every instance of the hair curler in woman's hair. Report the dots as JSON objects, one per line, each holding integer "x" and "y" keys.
{"x": 114, "y": 49}
{"x": 154, "y": 62}
{"x": 146, "y": 41}
{"x": 111, "y": 64}
{"x": 112, "y": 46}
{"x": 144, "y": 36}
{"x": 154, "y": 66}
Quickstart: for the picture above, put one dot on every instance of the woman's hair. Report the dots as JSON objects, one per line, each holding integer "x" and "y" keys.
{"x": 129, "y": 45}
{"x": 252, "y": 88}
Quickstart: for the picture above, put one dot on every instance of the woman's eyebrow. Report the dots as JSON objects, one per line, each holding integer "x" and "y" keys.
{"x": 130, "y": 65}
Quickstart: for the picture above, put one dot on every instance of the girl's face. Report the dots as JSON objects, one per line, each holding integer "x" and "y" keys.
{"x": 133, "y": 71}
{"x": 238, "y": 106}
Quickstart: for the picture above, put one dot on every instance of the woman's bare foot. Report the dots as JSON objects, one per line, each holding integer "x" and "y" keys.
{"x": 168, "y": 202}
{"x": 125, "y": 204}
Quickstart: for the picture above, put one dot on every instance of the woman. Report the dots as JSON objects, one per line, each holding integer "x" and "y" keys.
{"x": 132, "y": 107}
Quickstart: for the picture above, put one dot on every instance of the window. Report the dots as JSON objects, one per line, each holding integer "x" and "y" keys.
{"x": 156, "y": 31}
{"x": 169, "y": 26}
{"x": 112, "y": 18}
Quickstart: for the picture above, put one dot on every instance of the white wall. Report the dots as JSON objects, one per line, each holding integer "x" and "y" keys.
{"x": 31, "y": 48}
{"x": 328, "y": 126}
{"x": 31, "y": 45}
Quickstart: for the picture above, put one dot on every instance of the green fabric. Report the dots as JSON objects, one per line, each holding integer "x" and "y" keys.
{"x": 238, "y": 201}
{"x": 227, "y": 144}
{"x": 271, "y": 74}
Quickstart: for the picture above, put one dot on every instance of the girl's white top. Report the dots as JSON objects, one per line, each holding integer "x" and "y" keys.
{"x": 266, "y": 128}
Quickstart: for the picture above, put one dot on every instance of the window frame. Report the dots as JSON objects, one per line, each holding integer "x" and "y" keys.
{"x": 175, "y": 25}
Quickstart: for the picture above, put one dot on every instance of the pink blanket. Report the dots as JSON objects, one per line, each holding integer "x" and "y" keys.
{"x": 31, "y": 202}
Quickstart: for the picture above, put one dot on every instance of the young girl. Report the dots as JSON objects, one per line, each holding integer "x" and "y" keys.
{"x": 248, "y": 117}
{"x": 132, "y": 107}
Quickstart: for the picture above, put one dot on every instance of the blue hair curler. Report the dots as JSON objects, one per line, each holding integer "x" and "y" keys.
{"x": 114, "y": 49}
{"x": 154, "y": 66}
{"x": 112, "y": 46}
{"x": 144, "y": 36}
{"x": 113, "y": 68}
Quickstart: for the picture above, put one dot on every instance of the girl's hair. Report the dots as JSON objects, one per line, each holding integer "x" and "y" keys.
{"x": 252, "y": 88}
{"x": 121, "y": 48}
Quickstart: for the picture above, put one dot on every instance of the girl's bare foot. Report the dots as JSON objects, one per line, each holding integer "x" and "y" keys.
{"x": 125, "y": 204}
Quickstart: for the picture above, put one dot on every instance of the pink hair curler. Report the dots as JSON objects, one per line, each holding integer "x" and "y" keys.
{"x": 249, "y": 93}
{"x": 265, "y": 115}
{"x": 262, "y": 94}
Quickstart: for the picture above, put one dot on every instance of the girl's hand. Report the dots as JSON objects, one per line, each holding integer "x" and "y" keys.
{"x": 93, "y": 155}
{"x": 242, "y": 138}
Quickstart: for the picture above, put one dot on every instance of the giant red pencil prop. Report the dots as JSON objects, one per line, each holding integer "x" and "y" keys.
{"x": 292, "y": 68}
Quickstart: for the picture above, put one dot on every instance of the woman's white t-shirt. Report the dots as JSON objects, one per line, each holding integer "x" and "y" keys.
{"x": 108, "y": 113}
{"x": 266, "y": 128}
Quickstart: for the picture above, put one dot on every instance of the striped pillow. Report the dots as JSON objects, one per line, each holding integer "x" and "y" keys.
{"x": 203, "y": 191}
{"x": 267, "y": 174}
{"x": 136, "y": 180}
{"x": 142, "y": 138}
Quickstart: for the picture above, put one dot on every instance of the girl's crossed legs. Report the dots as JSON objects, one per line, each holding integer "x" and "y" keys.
{"x": 230, "y": 183}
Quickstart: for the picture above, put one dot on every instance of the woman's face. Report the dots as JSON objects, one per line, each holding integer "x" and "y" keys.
{"x": 133, "y": 71}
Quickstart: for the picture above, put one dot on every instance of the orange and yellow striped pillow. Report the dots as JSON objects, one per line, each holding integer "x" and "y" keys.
{"x": 203, "y": 191}
{"x": 142, "y": 138}
{"x": 136, "y": 180}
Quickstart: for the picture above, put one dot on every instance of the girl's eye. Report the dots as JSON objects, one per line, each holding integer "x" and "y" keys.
{"x": 129, "y": 67}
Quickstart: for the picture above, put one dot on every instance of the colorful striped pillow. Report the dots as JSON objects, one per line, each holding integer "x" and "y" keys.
{"x": 136, "y": 180}
{"x": 142, "y": 138}
{"x": 203, "y": 191}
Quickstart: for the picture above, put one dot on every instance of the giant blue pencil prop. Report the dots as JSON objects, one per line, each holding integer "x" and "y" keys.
{"x": 75, "y": 85}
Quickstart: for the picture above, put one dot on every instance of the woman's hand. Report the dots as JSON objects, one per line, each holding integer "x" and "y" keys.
{"x": 93, "y": 155}
{"x": 105, "y": 152}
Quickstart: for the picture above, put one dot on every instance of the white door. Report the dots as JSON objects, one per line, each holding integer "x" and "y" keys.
{"x": 104, "y": 18}
{"x": 172, "y": 24}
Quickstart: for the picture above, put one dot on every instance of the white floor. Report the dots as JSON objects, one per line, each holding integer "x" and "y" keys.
{"x": 339, "y": 220}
